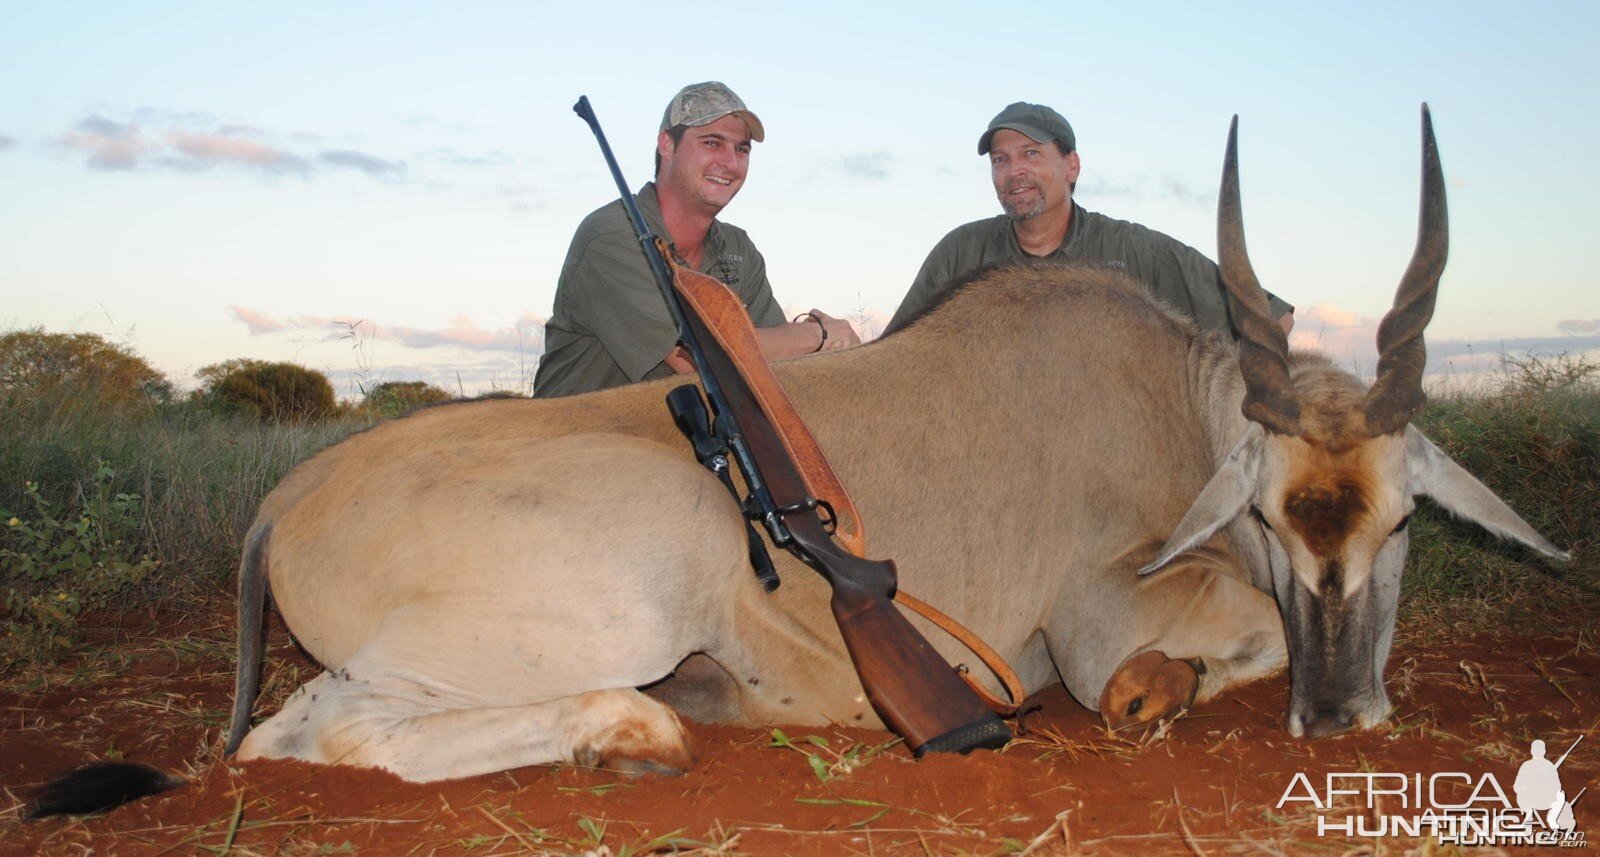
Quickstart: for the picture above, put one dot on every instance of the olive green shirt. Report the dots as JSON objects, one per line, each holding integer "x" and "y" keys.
{"x": 1173, "y": 271}
{"x": 610, "y": 325}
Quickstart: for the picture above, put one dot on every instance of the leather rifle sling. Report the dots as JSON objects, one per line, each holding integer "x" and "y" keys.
{"x": 729, "y": 323}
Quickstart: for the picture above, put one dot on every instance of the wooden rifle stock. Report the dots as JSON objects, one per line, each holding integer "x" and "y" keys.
{"x": 912, "y": 688}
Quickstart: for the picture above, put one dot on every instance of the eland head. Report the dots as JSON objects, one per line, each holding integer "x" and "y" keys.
{"x": 1323, "y": 482}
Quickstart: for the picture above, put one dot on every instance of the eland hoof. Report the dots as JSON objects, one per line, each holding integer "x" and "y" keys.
{"x": 657, "y": 746}
{"x": 1147, "y": 687}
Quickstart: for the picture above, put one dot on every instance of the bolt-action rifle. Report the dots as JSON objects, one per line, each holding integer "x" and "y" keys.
{"x": 791, "y": 487}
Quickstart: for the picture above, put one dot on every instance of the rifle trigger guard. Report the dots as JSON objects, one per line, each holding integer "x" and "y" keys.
{"x": 824, "y": 509}
{"x": 830, "y": 521}
{"x": 805, "y": 505}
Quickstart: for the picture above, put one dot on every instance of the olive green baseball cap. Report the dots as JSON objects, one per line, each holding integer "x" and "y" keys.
{"x": 1034, "y": 121}
{"x": 703, "y": 103}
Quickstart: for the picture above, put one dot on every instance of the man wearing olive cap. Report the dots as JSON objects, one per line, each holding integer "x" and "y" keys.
{"x": 610, "y": 325}
{"x": 1033, "y": 161}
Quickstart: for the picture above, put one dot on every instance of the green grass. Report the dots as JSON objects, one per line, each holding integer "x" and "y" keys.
{"x": 1532, "y": 434}
{"x": 199, "y": 475}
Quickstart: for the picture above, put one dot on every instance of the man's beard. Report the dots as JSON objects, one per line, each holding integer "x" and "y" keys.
{"x": 1022, "y": 209}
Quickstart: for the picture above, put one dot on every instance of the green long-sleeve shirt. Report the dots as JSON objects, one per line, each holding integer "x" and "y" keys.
{"x": 1173, "y": 271}
{"x": 610, "y": 325}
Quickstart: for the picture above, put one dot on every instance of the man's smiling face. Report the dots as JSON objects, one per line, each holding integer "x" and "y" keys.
{"x": 1030, "y": 178}
{"x": 708, "y": 165}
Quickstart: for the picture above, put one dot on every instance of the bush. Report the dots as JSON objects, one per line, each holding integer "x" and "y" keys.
{"x": 276, "y": 392}
{"x": 1535, "y": 440}
{"x": 397, "y": 398}
{"x": 35, "y": 364}
{"x": 200, "y": 475}
{"x": 54, "y": 566}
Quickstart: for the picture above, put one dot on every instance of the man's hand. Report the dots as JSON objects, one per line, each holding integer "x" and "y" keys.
{"x": 840, "y": 333}
{"x": 678, "y": 360}
{"x": 786, "y": 340}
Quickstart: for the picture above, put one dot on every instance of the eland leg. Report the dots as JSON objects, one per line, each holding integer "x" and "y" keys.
{"x": 1154, "y": 646}
{"x": 332, "y": 720}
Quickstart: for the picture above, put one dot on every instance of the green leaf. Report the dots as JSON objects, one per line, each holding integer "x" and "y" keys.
{"x": 665, "y": 839}
{"x": 871, "y": 818}
{"x": 595, "y": 832}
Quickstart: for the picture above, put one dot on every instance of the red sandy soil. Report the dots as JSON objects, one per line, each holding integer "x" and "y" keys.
{"x": 158, "y": 691}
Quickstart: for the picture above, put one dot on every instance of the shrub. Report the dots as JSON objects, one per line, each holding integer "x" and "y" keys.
{"x": 1536, "y": 442}
{"x": 200, "y": 474}
{"x": 55, "y": 566}
{"x": 35, "y": 364}
{"x": 276, "y": 392}
{"x": 398, "y": 398}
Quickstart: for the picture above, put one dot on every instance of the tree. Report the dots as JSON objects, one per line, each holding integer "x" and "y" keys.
{"x": 398, "y": 398}
{"x": 211, "y": 376}
{"x": 280, "y": 392}
{"x": 34, "y": 363}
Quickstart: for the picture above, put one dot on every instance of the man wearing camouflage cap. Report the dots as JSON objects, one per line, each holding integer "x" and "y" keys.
{"x": 1033, "y": 161}
{"x": 610, "y": 325}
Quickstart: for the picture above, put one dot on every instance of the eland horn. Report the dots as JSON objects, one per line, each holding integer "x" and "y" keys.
{"x": 1396, "y": 396}
{"x": 1263, "y": 349}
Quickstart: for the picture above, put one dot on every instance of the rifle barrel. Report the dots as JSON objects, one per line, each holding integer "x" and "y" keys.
{"x": 1569, "y": 751}
{"x": 911, "y": 686}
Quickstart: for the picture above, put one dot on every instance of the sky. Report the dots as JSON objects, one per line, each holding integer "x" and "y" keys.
{"x": 386, "y": 191}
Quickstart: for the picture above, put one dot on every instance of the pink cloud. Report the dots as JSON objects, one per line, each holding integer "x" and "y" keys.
{"x": 224, "y": 148}
{"x": 258, "y": 322}
{"x": 109, "y": 145}
{"x": 189, "y": 142}
{"x": 525, "y": 335}
{"x": 1349, "y": 339}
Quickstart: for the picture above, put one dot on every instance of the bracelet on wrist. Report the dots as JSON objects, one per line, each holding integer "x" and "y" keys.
{"x": 820, "y": 326}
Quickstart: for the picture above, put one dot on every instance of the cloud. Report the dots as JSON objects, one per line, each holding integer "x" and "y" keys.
{"x": 1448, "y": 348}
{"x": 236, "y": 130}
{"x": 196, "y": 142}
{"x": 1331, "y": 315}
{"x": 1579, "y": 325}
{"x": 524, "y": 336}
{"x": 1101, "y": 186}
{"x": 1351, "y": 341}
{"x": 866, "y": 165}
{"x": 1171, "y": 187}
{"x": 7, "y": 142}
{"x": 1163, "y": 186}
{"x": 109, "y": 145}
{"x": 200, "y": 151}
{"x": 372, "y": 165}
{"x": 258, "y": 322}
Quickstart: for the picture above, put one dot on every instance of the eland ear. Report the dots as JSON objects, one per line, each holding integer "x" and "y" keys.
{"x": 1222, "y": 500}
{"x": 1431, "y": 472}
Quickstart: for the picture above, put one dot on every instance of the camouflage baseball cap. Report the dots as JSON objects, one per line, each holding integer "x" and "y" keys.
{"x": 1034, "y": 121}
{"x": 703, "y": 103}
